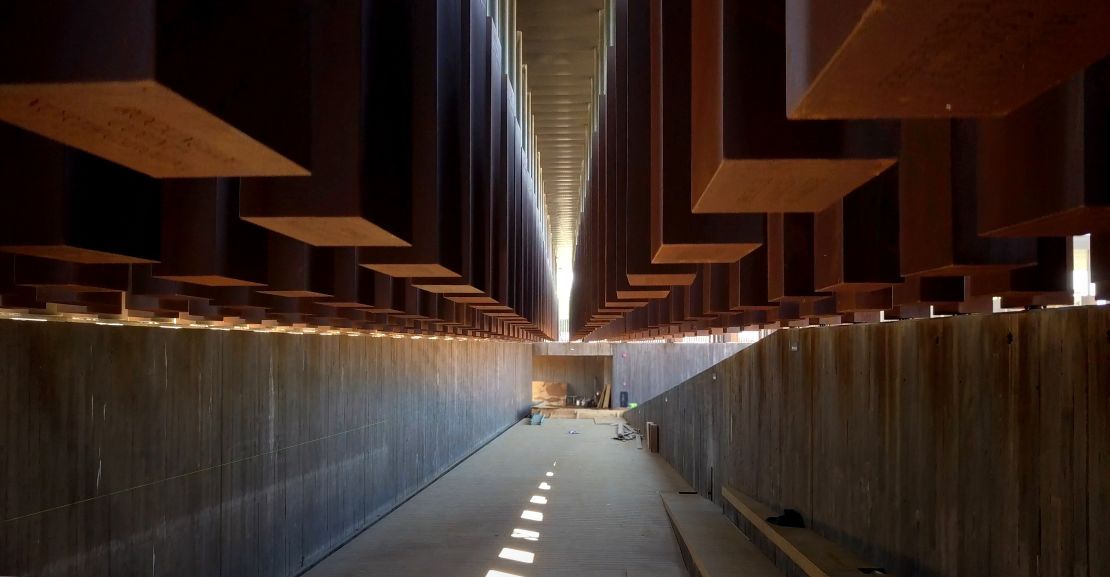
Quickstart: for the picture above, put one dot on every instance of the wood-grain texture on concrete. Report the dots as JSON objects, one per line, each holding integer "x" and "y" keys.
{"x": 643, "y": 370}
{"x": 143, "y": 451}
{"x": 972, "y": 445}
{"x": 583, "y": 376}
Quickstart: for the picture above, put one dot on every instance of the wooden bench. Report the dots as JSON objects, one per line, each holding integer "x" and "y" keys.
{"x": 711, "y": 545}
{"x": 812, "y": 554}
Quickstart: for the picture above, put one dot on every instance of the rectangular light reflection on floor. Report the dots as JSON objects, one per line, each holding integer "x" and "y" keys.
{"x": 493, "y": 573}
{"x": 538, "y": 500}
{"x": 517, "y": 555}
{"x": 525, "y": 534}
{"x": 545, "y": 487}
{"x": 531, "y": 515}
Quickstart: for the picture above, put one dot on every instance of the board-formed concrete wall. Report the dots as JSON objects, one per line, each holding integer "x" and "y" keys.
{"x": 583, "y": 375}
{"x": 645, "y": 370}
{"x": 975, "y": 445}
{"x": 642, "y": 370}
{"x": 143, "y": 451}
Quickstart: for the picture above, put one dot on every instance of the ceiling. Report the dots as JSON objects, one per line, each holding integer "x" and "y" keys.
{"x": 560, "y": 41}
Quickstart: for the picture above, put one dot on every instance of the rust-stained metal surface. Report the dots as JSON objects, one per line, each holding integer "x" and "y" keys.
{"x": 561, "y": 41}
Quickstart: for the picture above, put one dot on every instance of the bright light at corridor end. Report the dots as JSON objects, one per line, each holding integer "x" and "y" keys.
{"x": 564, "y": 279}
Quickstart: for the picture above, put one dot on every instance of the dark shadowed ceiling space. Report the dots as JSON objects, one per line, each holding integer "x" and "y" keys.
{"x": 560, "y": 41}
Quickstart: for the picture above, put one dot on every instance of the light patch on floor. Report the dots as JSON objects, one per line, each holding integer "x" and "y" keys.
{"x": 460, "y": 524}
{"x": 525, "y": 534}
{"x": 517, "y": 555}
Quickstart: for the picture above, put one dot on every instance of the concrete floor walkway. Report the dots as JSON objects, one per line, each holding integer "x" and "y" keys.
{"x": 602, "y": 518}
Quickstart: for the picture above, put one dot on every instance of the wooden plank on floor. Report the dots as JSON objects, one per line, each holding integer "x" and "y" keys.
{"x": 814, "y": 555}
{"x": 715, "y": 547}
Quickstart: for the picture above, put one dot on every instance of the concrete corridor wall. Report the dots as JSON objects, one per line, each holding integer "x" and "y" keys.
{"x": 646, "y": 370}
{"x": 642, "y": 370}
{"x": 142, "y": 451}
{"x": 584, "y": 375}
{"x": 975, "y": 445}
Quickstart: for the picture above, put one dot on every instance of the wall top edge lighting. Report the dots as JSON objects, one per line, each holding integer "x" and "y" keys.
{"x": 229, "y": 324}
